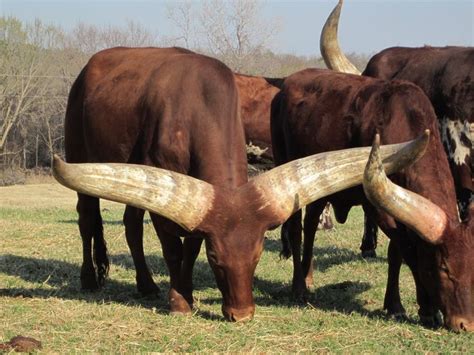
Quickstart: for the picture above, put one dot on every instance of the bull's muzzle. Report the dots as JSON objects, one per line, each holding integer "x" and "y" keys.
{"x": 238, "y": 314}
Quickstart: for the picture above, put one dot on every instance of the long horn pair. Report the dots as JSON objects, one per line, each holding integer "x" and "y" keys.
{"x": 186, "y": 200}
{"x": 329, "y": 45}
{"x": 418, "y": 213}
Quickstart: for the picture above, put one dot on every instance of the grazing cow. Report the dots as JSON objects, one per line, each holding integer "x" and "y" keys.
{"x": 445, "y": 74}
{"x": 177, "y": 110}
{"x": 321, "y": 110}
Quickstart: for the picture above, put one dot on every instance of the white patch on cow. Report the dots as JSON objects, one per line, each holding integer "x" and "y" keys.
{"x": 255, "y": 149}
{"x": 451, "y": 131}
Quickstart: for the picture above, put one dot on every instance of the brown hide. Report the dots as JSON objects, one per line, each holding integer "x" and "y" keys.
{"x": 168, "y": 108}
{"x": 321, "y": 110}
{"x": 446, "y": 75}
{"x": 256, "y": 94}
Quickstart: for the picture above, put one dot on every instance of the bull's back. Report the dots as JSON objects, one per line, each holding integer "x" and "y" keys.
{"x": 323, "y": 111}
{"x": 444, "y": 73}
{"x": 313, "y": 107}
{"x": 150, "y": 106}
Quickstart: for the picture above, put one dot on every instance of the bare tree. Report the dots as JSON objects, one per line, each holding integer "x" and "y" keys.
{"x": 23, "y": 73}
{"x": 233, "y": 31}
{"x": 182, "y": 16}
{"x": 90, "y": 39}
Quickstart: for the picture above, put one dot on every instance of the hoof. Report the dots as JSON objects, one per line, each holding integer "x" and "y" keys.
{"x": 89, "y": 281}
{"x": 432, "y": 321}
{"x": 399, "y": 317}
{"x": 395, "y": 311}
{"x": 369, "y": 254}
{"x": 178, "y": 305}
{"x": 300, "y": 295}
{"x": 148, "y": 289}
{"x": 102, "y": 272}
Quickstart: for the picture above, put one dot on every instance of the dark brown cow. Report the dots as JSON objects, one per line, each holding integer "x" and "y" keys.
{"x": 446, "y": 75}
{"x": 256, "y": 95}
{"x": 177, "y": 110}
{"x": 321, "y": 110}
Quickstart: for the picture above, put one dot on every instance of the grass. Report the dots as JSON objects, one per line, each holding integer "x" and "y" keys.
{"x": 40, "y": 294}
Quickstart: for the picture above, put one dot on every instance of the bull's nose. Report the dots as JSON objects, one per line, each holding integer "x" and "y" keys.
{"x": 238, "y": 314}
{"x": 459, "y": 324}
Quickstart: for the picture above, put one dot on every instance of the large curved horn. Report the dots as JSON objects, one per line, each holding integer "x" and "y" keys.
{"x": 329, "y": 46}
{"x": 183, "y": 199}
{"x": 411, "y": 209}
{"x": 291, "y": 186}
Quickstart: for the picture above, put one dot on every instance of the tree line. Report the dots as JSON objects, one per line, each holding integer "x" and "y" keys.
{"x": 39, "y": 62}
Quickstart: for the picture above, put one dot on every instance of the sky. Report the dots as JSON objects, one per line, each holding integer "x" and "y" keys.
{"x": 365, "y": 27}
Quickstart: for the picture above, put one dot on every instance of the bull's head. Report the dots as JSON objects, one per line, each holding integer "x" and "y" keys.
{"x": 448, "y": 276}
{"x": 233, "y": 220}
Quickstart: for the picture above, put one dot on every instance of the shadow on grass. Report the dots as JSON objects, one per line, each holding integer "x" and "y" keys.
{"x": 326, "y": 257}
{"x": 61, "y": 279}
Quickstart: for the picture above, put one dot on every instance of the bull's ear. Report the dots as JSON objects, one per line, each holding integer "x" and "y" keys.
{"x": 418, "y": 213}
{"x": 289, "y": 187}
{"x": 329, "y": 45}
{"x": 181, "y": 198}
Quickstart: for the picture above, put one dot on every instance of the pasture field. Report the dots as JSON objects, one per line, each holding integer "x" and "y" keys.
{"x": 40, "y": 296}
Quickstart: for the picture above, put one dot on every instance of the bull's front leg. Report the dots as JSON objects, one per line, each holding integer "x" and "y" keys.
{"x": 173, "y": 255}
{"x": 192, "y": 247}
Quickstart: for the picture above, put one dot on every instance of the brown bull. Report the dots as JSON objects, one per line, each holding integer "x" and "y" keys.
{"x": 256, "y": 95}
{"x": 179, "y": 111}
{"x": 320, "y": 111}
{"x": 446, "y": 75}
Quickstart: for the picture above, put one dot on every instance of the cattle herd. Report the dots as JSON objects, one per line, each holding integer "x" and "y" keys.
{"x": 165, "y": 130}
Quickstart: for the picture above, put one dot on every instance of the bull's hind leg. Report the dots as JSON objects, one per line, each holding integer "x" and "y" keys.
{"x": 133, "y": 220}
{"x": 173, "y": 255}
{"x": 311, "y": 218}
{"x": 369, "y": 239}
{"x": 95, "y": 266}
{"x": 192, "y": 246}
{"x": 392, "y": 302}
{"x": 291, "y": 233}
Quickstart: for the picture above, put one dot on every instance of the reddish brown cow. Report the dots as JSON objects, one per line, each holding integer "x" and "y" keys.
{"x": 321, "y": 110}
{"x": 256, "y": 94}
{"x": 177, "y": 110}
{"x": 446, "y": 75}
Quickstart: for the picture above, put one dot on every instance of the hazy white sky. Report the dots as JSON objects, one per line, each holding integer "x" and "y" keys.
{"x": 366, "y": 26}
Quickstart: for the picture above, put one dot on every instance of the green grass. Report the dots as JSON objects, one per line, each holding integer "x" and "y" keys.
{"x": 40, "y": 294}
